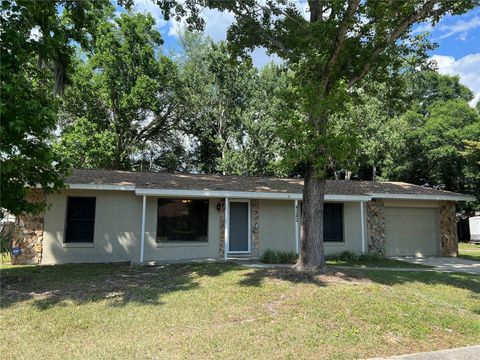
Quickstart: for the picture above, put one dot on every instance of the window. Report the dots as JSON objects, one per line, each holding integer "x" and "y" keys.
{"x": 332, "y": 222}
{"x": 80, "y": 220}
{"x": 182, "y": 220}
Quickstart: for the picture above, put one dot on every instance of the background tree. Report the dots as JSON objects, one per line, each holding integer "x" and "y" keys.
{"x": 37, "y": 46}
{"x": 233, "y": 108}
{"x": 128, "y": 92}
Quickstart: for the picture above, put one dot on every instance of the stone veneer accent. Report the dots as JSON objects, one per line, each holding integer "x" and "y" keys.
{"x": 254, "y": 213}
{"x": 221, "y": 235}
{"x": 448, "y": 229}
{"x": 376, "y": 227}
{"x": 255, "y": 227}
{"x": 28, "y": 233}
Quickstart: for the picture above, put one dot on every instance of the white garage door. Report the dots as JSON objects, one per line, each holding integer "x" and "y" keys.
{"x": 410, "y": 231}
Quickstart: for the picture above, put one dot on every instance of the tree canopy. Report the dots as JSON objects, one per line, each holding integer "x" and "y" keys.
{"x": 37, "y": 47}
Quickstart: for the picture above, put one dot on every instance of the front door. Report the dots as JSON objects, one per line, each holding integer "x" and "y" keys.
{"x": 239, "y": 227}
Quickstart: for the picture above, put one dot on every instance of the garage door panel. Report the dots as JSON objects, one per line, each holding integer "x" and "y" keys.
{"x": 410, "y": 231}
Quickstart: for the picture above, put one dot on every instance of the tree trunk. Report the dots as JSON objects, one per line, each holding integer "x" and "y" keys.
{"x": 311, "y": 252}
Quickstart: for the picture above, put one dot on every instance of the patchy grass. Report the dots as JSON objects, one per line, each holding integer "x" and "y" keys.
{"x": 469, "y": 251}
{"x": 223, "y": 310}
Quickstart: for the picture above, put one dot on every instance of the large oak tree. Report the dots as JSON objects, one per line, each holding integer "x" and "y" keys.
{"x": 332, "y": 51}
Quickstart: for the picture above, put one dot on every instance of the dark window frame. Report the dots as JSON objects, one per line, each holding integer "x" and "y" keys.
{"x": 341, "y": 239}
{"x": 184, "y": 241}
{"x": 93, "y": 219}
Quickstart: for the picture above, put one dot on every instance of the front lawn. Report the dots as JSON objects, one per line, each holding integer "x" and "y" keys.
{"x": 469, "y": 251}
{"x": 222, "y": 310}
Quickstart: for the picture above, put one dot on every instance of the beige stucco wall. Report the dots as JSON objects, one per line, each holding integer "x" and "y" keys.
{"x": 412, "y": 203}
{"x": 276, "y": 225}
{"x": 117, "y": 231}
{"x": 117, "y": 228}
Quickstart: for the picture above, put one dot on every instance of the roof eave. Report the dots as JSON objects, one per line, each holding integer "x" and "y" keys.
{"x": 459, "y": 197}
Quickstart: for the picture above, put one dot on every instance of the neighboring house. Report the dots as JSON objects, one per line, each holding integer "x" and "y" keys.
{"x": 108, "y": 216}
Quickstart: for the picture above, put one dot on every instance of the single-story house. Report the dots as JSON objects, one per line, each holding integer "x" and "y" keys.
{"x": 118, "y": 216}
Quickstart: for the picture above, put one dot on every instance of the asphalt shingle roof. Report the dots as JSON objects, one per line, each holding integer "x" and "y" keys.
{"x": 151, "y": 180}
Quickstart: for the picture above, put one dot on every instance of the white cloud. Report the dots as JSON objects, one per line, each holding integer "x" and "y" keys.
{"x": 467, "y": 68}
{"x": 216, "y": 24}
{"x": 423, "y": 27}
{"x": 36, "y": 33}
{"x": 460, "y": 28}
{"x": 148, "y": 6}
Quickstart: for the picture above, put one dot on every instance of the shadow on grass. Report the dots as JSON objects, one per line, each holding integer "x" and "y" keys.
{"x": 50, "y": 286}
{"x": 388, "y": 278}
{"x": 120, "y": 284}
{"x": 319, "y": 278}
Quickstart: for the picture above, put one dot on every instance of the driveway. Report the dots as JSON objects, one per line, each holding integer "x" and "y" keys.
{"x": 446, "y": 264}
{"x": 465, "y": 353}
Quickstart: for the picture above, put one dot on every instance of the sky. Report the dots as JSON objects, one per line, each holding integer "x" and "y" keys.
{"x": 458, "y": 39}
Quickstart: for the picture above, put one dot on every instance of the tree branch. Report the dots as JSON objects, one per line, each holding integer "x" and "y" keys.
{"x": 423, "y": 13}
{"x": 339, "y": 40}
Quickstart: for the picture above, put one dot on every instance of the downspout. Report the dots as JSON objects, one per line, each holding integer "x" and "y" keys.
{"x": 142, "y": 236}
{"x": 362, "y": 226}
{"x": 296, "y": 214}
{"x": 227, "y": 228}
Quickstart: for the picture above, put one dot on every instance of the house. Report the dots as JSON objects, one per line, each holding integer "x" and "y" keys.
{"x": 109, "y": 216}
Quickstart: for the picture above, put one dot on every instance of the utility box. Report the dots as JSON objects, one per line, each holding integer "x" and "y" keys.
{"x": 474, "y": 223}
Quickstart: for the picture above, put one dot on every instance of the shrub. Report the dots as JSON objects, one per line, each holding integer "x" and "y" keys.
{"x": 370, "y": 257}
{"x": 279, "y": 257}
{"x": 343, "y": 256}
{"x": 6, "y": 238}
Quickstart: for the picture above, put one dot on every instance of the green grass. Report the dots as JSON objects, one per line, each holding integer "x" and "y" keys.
{"x": 222, "y": 310}
{"x": 469, "y": 251}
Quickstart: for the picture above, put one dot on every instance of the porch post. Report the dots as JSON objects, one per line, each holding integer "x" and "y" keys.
{"x": 227, "y": 228}
{"x": 362, "y": 226}
{"x": 296, "y": 214}
{"x": 142, "y": 236}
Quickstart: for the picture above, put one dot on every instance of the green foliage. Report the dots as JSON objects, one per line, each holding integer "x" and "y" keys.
{"x": 434, "y": 146}
{"x": 342, "y": 256}
{"x": 426, "y": 87}
{"x": 127, "y": 93}
{"x": 83, "y": 145}
{"x": 6, "y": 239}
{"x": 279, "y": 257}
{"x": 232, "y": 109}
{"x": 37, "y": 48}
{"x": 330, "y": 54}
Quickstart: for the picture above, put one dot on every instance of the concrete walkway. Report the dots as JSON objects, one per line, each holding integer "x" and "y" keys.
{"x": 464, "y": 353}
{"x": 446, "y": 264}
{"x": 438, "y": 265}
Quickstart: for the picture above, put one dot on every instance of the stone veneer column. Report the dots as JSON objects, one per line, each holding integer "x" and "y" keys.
{"x": 221, "y": 235}
{"x": 255, "y": 227}
{"x": 448, "y": 228}
{"x": 376, "y": 227}
{"x": 28, "y": 233}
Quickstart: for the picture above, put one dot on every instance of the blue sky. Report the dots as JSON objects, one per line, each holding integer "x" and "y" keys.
{"x": 458, "y": 39}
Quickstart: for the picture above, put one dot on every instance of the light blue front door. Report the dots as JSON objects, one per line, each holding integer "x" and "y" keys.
{"x": 239, "y": 239}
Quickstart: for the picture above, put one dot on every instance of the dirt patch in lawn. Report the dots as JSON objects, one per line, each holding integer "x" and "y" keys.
{"x": 317, "y": 277}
